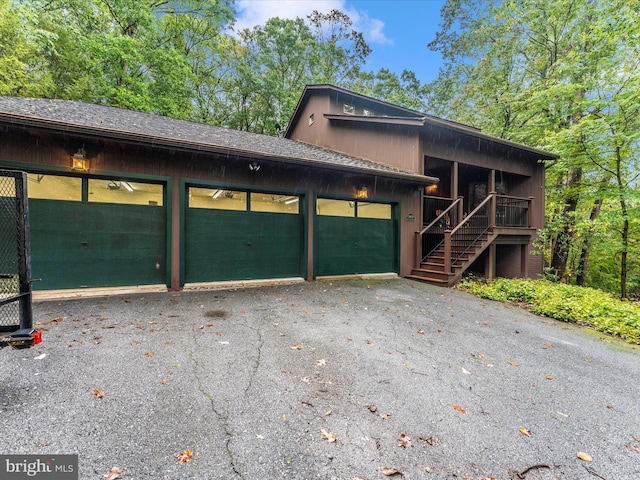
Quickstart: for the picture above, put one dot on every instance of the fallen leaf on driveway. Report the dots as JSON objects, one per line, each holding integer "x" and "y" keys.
{"x": 328, "y": 436}
{"x": 511, "y": 362}
{"x": 372, "y": 408}
{"x": 633, "y": 448}
{"x": 458, "y": 408}
{"x": 585, "y": 457}
{"x": 98, "y": 393}
{"x": 114, "y": 474}
{"x": 388, "y": 471}
{"x": 525, "y": 431}
{"x": 297, "y": 346}
{"x": 185, "y": 456}
{"x": 636, "y": 438}
{"x": 404, "y": 441}
{"x": 421, "y": 332}
{"x": 431, "y": 440}
{"x": 149, "y": 354}
{"x": 549, "y": 377}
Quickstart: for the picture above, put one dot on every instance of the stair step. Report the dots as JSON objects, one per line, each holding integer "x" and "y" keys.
{"x": 430, "y": 281}
{"x": 437, "y": 267}
{"x": 431, "y": 274}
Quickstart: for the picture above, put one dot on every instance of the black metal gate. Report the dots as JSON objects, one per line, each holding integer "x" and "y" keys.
{"x": 15, "y": 271}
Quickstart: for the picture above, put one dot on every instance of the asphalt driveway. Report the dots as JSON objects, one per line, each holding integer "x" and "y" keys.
{"x": 344, "y": 380}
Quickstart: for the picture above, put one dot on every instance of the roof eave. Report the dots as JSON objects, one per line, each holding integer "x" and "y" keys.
{"x": 416, "y": 122}
{"x": 198, "y": 147}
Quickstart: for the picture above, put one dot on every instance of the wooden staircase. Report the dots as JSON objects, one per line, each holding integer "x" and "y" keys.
{"x": 446, "y": 247}
{"x": 464, "y": 251}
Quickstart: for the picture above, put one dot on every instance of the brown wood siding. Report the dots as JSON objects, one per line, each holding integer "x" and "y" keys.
{"x": 31, "y": 149}
{"x": 393, "y": 145}
{"x": 458, "y": 147}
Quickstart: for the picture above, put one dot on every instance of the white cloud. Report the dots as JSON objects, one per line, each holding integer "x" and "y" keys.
{"x": 373, "y": 31}
{"x": 251, "y": 13}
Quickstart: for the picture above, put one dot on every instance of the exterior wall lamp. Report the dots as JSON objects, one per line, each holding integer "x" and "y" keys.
{"x": 362, "y": 192}
{"x": 254, "y": 166}
{"x": 79, "y": 160}
{"x": 431, "y": 189}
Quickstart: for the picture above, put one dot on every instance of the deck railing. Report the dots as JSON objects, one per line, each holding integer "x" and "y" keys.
{"x": 444, "y": 214}
{"x": 460, "y": 240}
{"x": 513, "y": 211}
{"x": 445, "y": 224}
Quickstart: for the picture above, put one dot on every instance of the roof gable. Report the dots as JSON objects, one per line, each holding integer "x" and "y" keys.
{"x": 390, "y": 113}
{"x": 157, "y": 131}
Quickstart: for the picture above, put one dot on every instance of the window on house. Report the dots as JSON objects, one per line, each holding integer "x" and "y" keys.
{"x": 348, "y": 109}
{"x": 374, "y": 210}
{"x": 312, "y": 118}
{"x": 368, "y": 113}
{"x": 275, "y": 203}
{"x": 217, "y": 199}
{"x": 335, "y": 208}
{"x": 54, "y": 187}
{"x": 125, "y": 192}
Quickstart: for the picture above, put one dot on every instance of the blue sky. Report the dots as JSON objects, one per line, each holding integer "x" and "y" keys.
{"x": 398, "y": 31}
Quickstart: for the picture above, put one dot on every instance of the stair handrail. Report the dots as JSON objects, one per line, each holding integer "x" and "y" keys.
{"x": 418, "y": 235}
{"x": 449, "y": 232}
{"x": 440, "y": 217}
{"x": 473, "y": 212}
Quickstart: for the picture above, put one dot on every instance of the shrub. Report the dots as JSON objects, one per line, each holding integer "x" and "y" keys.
{"x": 585, "y": 306}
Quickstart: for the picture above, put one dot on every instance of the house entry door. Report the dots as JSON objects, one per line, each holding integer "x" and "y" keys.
{"x": 477, "y": 193}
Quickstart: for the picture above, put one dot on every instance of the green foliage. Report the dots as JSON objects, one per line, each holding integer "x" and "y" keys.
{"x": 564, "y": 76}
{"x": 568, "y": 303}
{"x": 180, "y": 58}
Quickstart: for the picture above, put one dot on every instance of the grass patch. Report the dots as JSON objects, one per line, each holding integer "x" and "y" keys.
{"x": 569, "y": 303}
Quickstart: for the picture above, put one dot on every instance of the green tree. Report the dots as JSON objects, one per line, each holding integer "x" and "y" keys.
{"x": 23, "y": 45}
{"x": 552, "y": 74}
{"x": 278, "y": 59}
{"x": 128, "y": 53}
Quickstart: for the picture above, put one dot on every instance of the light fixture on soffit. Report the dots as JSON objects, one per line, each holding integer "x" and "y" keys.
{"x": 362, "y": 192}
{"x": 79, "y": 160}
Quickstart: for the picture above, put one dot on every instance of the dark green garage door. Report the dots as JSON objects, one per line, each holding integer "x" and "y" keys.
{"x": 237, "y": 235}
{"x": 89, "y": 242}
{"x": 354, "y": 237}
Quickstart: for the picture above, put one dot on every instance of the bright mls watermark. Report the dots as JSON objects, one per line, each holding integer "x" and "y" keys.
{"x": 45, "y": 467}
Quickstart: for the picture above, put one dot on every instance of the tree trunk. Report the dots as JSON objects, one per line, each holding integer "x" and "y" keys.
{"x": 625, "y": 225}
{"x": 583, "y": 263}
{"x": 560, "y": 254}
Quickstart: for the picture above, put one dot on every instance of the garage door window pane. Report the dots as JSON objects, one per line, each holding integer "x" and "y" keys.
{"x": 54, "y": 187}
{"x": 126, "y": 192}
{"x": 374, "y": 210}
{"x": 273, "y": 203}
{"x": 217, "y": 199}
{"x": 335, "y": 208}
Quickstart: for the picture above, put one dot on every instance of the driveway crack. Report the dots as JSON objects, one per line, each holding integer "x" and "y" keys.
{"x": 222, "y": 417}
{"x": 256, "y": 365}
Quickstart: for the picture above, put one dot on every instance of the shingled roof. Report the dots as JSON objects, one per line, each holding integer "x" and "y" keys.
{"x": 81, "y": 118}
